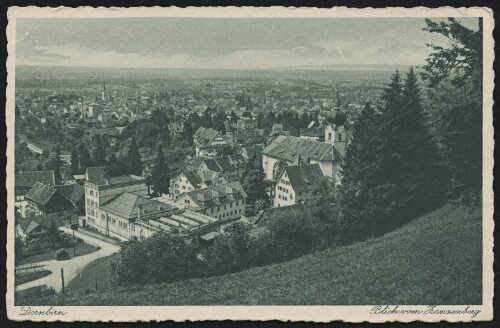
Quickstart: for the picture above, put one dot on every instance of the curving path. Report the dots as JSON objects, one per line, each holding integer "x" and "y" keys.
{"x": 71, "y": 267}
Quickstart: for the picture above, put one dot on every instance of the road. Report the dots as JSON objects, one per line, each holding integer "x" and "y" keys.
{"x": 71, "y": 267}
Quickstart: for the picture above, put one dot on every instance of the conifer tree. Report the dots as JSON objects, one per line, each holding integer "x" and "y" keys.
{"x": 98, "y": 152}
{"x": 134, "y": 159}
{"x": 188, "y": 133}
{"x": 85, "y": 159}
{"x": 253, "y": 183}
{"x": 362, "y": 170}
{"x": 75, "y": 162}
{"x": 160, "y": 176}
{"x": 56, "y": 164}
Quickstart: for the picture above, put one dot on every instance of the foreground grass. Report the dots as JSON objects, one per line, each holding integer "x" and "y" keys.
{"x": 81, "y": 248}
{"x": 436, "y": 259}
{"x": 100, "y": 269}
{"x": 27, "y": 277}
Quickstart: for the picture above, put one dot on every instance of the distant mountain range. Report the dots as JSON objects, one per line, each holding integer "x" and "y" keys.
{"x": 306, "y": 72}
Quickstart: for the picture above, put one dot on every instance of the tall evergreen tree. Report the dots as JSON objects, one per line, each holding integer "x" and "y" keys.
{"x": 75, "y": 162}
{"x": 188, "y": 133}
{"x": 160, "y": 176}
{"x": 454, "y": 74}
{"x": 98, "y": 152}
{"x": 134, "y": 159}
{"x": 362, "y": 170}
{"x": 253, "y": 183}
{"x": 56, "y": 164}
{"x": 85, "y": 159}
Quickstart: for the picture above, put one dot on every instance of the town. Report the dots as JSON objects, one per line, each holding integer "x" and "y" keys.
{"x": 124, "y": 161}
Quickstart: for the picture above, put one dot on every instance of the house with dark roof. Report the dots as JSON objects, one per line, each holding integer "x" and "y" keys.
{"x": 75, "y": 193}
{"x": 24, "y": 181}
{"x": 40, "y": 224}
{"x": 210, "y": 143}
{"x": 192, "y": 180}
{"x": 294, "y": 151}
{"x": 295, "y": 184}
{"x": 231, "y": 167}
{"x": 224, "y": 202}
{"x": 45, "y": 199}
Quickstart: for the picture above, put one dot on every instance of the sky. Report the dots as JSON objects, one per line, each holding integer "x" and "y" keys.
{"x": 218, "y": 43}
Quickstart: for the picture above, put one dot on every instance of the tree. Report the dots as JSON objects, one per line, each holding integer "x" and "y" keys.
{"x": 362, "y": 172}
{"x": 85, "y": 159}
{"x": 234, "y": 117}
{"x": 454, "y": 74}
{"x": 160, "y": 176}
{"x": 260, "y": 120}
{"x": 134, "y": 159}
{"x": 188, "y": 133}
{"x": 75, "y": 163}
{"x": 98, "y": 152}
{"x": 253, "y": 183}
{"x": 55, "y": 163}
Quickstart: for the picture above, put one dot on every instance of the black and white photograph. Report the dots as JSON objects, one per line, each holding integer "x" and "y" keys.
{"x": 331, "y": 164}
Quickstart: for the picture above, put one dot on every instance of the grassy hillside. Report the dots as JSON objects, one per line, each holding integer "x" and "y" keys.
{"x": 433, "y": 260}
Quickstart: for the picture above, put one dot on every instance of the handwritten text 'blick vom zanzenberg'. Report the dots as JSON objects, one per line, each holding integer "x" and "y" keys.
{"x": 431, "y": 309}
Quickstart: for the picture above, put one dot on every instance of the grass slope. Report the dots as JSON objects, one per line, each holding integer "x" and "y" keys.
{"x": 436, "y": 259}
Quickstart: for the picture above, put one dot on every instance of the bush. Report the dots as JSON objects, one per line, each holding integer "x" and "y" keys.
{"x": 62, "y": 255}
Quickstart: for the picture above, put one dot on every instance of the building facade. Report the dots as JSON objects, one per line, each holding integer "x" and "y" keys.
{"x": 230, "y": 167}
{"x": 224, "y": 202}
{"x": 210, "y": 143}
{"x": 295, "y": 184}
{"x": 295, "y": 151}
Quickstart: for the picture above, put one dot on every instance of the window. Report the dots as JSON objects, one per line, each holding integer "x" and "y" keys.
{"x": 224, "y": 206}
{"x": 103, "y": 217}
{"x": 291, "y": 197}
{"x": 329, "y": 136}
{"x": 187, "y": 201}
{"x": 340, "y": 136}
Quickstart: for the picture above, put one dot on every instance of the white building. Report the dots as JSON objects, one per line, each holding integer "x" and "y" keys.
{"x": 294, "y": 151}
{"x": 224, "y": 202}
{"x": 295, "y": 184}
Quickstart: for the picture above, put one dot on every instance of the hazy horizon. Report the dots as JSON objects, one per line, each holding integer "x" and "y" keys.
{"x": 216, "y": 43}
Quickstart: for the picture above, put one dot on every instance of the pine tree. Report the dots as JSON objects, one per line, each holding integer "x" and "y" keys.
{"x": 98, "y": 152}
{"x": 254, "y": 184}
{"x": 56, "y": 164}
{"x": 134, "y": 159}
{"x": 423, "y": 179}
{"x": 85, "y": 159}
{"x": 75, "y": 163}
{"x": 188, "y": 133}
{"x": 160, "y": 176}
{"x": 362, "y": 212}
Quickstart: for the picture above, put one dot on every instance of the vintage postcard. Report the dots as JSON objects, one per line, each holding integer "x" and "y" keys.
{"x": 293, "y": 164}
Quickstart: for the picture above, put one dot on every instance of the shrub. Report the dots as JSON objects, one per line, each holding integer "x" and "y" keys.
{"x": 62, "y": 255}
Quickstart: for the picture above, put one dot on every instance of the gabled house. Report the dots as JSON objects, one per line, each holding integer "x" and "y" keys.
{"x": 223, "y": 202}
{"x": 33, "y": 226}
{"x": 191, "y": 180}
{"x": 231, "y": 167}
{"x": 45, "y": 199}
{"x": 210, "y": 143}
{"x": 295, "y": 184}
{"x": 295, "y": 150}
